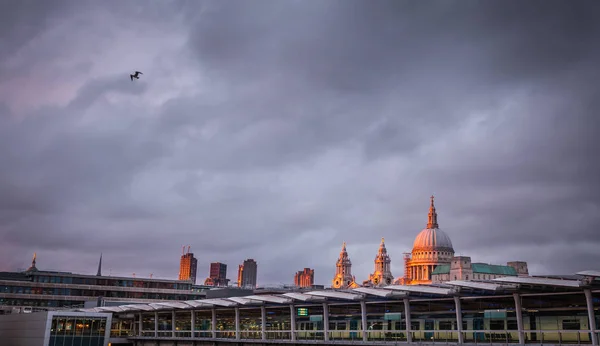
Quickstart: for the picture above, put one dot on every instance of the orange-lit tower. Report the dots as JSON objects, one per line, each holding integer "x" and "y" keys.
{"x": 383, "y": 272}
{"x": 343, "y": 271}
{"x": 188, "y": 266}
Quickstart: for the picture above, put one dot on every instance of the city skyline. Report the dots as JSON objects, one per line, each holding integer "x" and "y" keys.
{"x": 431, "y": 223}
{"x": 276, "y": 130}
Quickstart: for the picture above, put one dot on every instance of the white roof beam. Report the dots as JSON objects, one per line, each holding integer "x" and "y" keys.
{"x": 302, "y": 297}
{"x": 219, "y": 302}
{"x": 486, "y": 286}
{"x": 535, "y": 281}
{"x": 421, "y": 289}
{"x": 379, "y": 292}
{"x": 143, "y": 307}
{"x": 110, "y": 308}
{"x": 271, "y": 299}
{"x": 593, "y": 273}
{"x": 173, "y": 305}
{"x": 243, "y": 300}
{"x": 199, "y": 303}
{"x": 336, "y": 295}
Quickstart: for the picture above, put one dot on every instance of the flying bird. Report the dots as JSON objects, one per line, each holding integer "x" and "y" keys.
{"x": 136, "y": 75}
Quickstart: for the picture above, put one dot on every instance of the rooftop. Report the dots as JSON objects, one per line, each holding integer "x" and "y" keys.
{"x": 499, "y": 286}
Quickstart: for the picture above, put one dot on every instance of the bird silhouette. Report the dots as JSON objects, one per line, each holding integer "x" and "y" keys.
{"x": 136, "y": 75}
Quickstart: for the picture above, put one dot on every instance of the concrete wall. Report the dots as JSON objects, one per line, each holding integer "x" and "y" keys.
{"x": 24, "y": 329}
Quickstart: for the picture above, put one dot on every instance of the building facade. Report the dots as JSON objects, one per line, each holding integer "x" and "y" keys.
{"x": 432, "y": 259}
{"x": 305, "y": 278}
{"x": 217, "y": 275}
{"x": 382, "y": 276}
{"x": 53, "y": 328}
{"x": 188, "y": 267}
{"x": 343, "y": 271}
{"x": 461, "y": 268}
{"x": 50, "y": 290}
{"x": 432, "y": 247}
{"x": 247, "y": 273}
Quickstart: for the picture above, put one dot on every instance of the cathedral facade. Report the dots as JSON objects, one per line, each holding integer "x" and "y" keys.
{"x": 431, "y": 260}
{"x": 432, "y": 248}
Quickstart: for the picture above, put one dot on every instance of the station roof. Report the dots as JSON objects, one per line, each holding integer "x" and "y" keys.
{"x": 422, "y": 289}
{"x": 538, "y": 281}
{"x": 484, "y": 286}
{"x": 593, "y": 273}
{"x": 465, "y": 289}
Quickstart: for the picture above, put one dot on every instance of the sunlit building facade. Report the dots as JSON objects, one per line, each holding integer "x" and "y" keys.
{"x": 382, "y": 276}
{"x": 188, "y": 266}
{"x": 432, "y": 259}
{"x": 343, "y": 271}
{"x": 304, "y": 278}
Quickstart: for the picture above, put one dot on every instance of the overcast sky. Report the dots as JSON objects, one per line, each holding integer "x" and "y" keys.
{"x": 276, "y": 130}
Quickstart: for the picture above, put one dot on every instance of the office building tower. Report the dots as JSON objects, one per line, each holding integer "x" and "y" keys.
{"x": 305, "y": 278}
{"x": 188, "y": 266}
{"x": 217, "y": 275}
{"x": 247, "y": 274}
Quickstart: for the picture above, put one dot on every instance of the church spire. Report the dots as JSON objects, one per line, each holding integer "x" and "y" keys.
{"x": 100, "y": 266}
{"x": 432, "y": 216}
{"x": 382, "y": 249}
{"x": 33, "y": 262}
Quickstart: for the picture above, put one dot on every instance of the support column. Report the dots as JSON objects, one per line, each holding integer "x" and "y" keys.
{"x": 407, "y": 320}
{"x": 141, "y": 325}
{"x": 213, "y": 324}
{"x": 237, "y": 323}
{"x": 293, "y": 322}
{"x": 459, "y": 319}
{"x": 591, "y": 317}
{"x": 193, "y": 326}
{"x": 363, "y": 316}
{"x": 519, "y": 313}
{"x": 263, "y": 322}
{"x": 173, "y": 323}
{"x": 155, "y": 324}
{"x": 326, "y": 322}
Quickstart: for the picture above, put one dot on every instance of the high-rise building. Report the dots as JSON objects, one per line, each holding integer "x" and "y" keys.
{"x": 217, "y": 275}
{"x": 305, "y": 278}
{"x": 247, "y": 274}
{"x": 188, "y": 266}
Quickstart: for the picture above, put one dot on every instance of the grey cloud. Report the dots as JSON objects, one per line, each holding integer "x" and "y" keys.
{"x": 302, "y": 125}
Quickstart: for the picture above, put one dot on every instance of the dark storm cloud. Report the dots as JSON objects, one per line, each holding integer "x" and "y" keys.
{"x": 275, "y": 130}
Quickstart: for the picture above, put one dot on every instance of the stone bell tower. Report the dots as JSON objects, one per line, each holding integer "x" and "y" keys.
{"x": 343, "y": 271}
{"x": 382, "y": 276}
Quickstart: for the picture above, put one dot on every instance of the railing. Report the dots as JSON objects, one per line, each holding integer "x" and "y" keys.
{"x": 418, "y": 336}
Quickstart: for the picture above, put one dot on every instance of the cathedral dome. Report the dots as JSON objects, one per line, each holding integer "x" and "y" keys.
{"x": 432, "y": 239}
